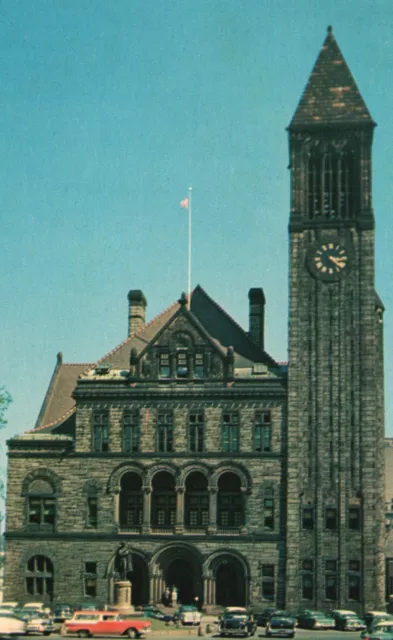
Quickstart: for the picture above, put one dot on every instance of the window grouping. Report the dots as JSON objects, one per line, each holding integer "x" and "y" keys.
{"x": 268, "y": 510}
{"x": 101, "y": 431}
{"x": 354, "y": 580}
{"x": 41, "y": 505}
{"x": 164, "y": 502}
{"x": 165, "y": 432}
{"x": 267, "y": 582}
{"x": 307, "y": 579}
{"x": 90, "y": 579}
{"x": 331, "y": 184}
{"x": 262, "y": 431}
{"x": 196, "y": 431}
{"x": 230, "y": 431}
{"x": 131, "y": 432}
{"x": 331, "y": 579}
{"x": 39, "y": 577}
{"x": 182, "y": 363}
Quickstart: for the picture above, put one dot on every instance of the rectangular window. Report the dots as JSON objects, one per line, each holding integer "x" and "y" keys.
{"x": 196, "y": 431}
{"x": 331, "y": 579}
{"x": 230, "y": 429}
{"x": 199, "y": 366}
{"x": 308, "y": 518}
{"x": 268, "y": 581}
{"x": 131, "y": 432}
{"x": 354, "y": 580}
{"x": 230, "y": 510}
{"x": 307, "y": 575}
{"x": 262, "y": 431}
{"x": 354, "y": 518}
{"x": 331, "y": 518}
{"x": 101, "y": 431}
{"x": 42, "y": 513}
{"x": 268, "y": 513}
{"x": 182, "y": 364}
{"x": 90, "y": 579}
{"x": 164, "y": 432}
{"x": 164, "y": 365}
{"x": 92, "y": 512}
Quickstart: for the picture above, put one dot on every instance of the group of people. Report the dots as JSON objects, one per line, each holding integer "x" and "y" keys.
{"x": 169, "y": 597}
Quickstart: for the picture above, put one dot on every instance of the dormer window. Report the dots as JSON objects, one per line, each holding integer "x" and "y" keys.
{"x": 165, "y": 366}
{"x": 181, "y": 364}
{"x": 199, "y": 369}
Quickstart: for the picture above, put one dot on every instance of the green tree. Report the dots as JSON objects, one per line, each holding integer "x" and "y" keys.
{"x": 5, "y": 400}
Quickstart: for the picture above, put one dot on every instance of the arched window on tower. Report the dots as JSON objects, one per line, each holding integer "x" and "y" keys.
{"x": 39, "y": 577}
{"x": 331, "y": 174}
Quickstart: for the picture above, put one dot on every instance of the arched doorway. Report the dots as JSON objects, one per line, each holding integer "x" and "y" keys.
{"x": 180, "y": 573}
{"x": 139, "y": 578}
{"x": 230, "y": 578}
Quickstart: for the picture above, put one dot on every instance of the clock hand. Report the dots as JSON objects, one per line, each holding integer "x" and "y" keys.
{"x": 337, "y": 261}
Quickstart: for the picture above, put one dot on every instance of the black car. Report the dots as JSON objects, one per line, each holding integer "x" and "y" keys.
{"x": 263, "y": 617}
{"x": 281, "y": 627}
{"x": 151, "y": 611}
{"x": 237, "y": 621}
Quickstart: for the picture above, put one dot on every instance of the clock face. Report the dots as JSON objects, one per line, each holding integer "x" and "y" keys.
{"x": 329, "y": 259}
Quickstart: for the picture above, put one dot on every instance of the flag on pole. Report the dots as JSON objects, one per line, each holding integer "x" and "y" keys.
{"x": 184, "y": 203}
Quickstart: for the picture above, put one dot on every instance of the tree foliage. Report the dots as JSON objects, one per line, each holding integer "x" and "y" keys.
{"x": 5, "y": 400}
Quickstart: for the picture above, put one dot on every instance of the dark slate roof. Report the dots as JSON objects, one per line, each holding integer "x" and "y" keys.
{"x": 331, "y": 95}
{"x": 59, "y": 405}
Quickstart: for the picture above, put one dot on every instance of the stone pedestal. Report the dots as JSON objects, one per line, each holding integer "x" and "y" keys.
{"x": 123, "y": 596}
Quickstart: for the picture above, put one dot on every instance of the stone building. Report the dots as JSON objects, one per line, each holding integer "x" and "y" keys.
{"x": 236, "y": 478}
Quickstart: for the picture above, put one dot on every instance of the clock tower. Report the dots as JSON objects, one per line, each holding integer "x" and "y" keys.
{"x": 335, "y": 482}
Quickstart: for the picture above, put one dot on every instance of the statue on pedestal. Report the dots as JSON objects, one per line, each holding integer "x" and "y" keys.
{"x": 123, "y": 562}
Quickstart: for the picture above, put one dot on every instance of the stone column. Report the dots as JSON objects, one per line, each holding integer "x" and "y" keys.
{"x": 146, "y": 510}
{"x": 179, "y": 527}
{"x": 212, "y": 528}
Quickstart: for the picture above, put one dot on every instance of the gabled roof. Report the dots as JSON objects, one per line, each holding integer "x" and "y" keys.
{"x": 331, "y": 95}
{"x": 205, "y": 313}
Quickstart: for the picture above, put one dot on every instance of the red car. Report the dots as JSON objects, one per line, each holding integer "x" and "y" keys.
{"x": 107, "y": 623}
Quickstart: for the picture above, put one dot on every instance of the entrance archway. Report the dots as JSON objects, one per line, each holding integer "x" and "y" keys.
{"x": 230, "y": 581}
{"x": 180, "y": 573}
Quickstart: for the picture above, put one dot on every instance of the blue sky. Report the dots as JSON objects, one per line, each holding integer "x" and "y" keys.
{"x": 110, "y": 109}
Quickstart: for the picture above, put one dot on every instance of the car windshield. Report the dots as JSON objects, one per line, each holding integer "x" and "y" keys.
{"x": 281, "y": 622}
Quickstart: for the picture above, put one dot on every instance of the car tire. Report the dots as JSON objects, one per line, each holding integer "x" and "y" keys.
{"x": 83, "y": 634}
{"x": 132, "y": 633}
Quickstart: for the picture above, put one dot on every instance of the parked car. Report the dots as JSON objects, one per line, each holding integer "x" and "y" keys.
{"x": 40, "y": 624}
{"x": 107, "y": 623}
{"x": 381, "y": 631}
{"x": 11, "y": 624}
{"x": 237, "y": 621}
{"x": 310, "y": 619}
{"x": 187, "y": 614}
{"x": 372, "y": 617}
{"x": 347, "y": 620}
{"x": 280, "y": 626}
{"x": 263, "y": 616}
{"x": 151, "y": 611}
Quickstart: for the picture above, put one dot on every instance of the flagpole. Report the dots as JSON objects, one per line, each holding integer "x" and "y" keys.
{"x": 189, "y": 248}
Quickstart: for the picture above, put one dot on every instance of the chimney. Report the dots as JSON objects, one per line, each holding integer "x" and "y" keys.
{"x": 137, "y": 304}
{"x": 257, "y": 316}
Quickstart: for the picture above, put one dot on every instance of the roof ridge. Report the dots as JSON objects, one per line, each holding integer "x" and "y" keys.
{"x": 234, "y": 322}
{"x": 65, "y": 415}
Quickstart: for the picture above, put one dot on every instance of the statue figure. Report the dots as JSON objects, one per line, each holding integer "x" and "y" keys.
{"x": 123, "y": 562}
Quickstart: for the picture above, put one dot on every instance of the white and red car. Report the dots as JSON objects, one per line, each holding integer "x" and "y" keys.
{"x": 107, "y": 623}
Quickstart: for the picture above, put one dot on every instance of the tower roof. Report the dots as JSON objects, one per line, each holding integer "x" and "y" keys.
{"x": 331, "y": 95}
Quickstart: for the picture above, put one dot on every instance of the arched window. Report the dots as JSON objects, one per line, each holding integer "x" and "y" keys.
{"x": 163, "y": 500}
{"x": 230, "y": 501}
{"x": 39, "y": 577}
{"x": 131, "y": 501}
{"x": 331, "y": 176}
{"x": 41, "y": 505}
{"x": 196, "y": 501}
